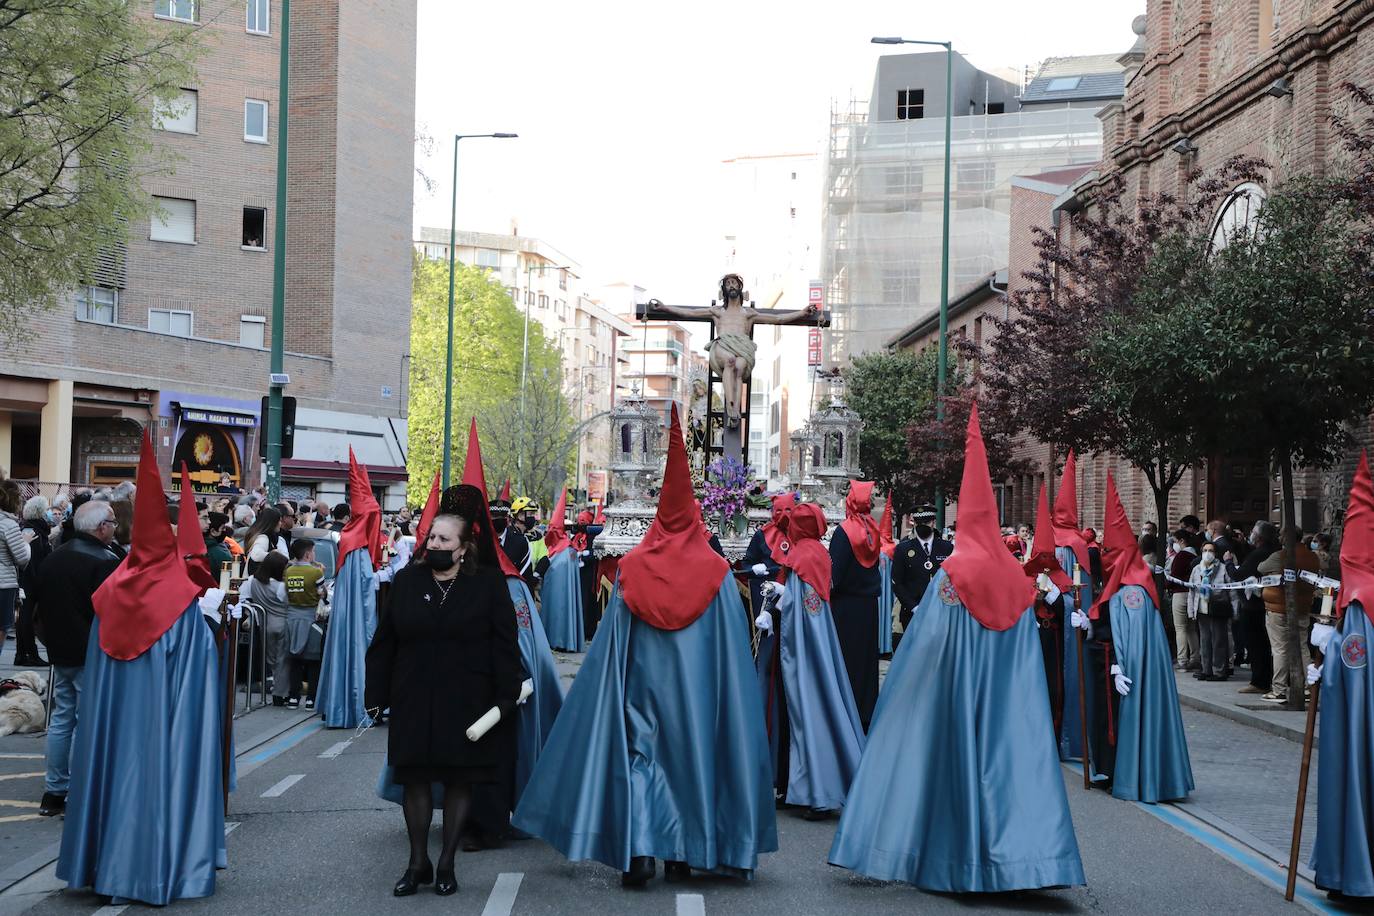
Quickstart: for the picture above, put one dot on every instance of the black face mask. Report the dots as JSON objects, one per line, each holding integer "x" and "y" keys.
{"x": 440, "y": 559}
{"x": 924, "y": 531}
{"x": 219, "y": 538}
{"x": 498, "y": 523}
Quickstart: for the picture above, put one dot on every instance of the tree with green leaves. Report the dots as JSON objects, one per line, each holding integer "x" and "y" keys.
{"x": 79, "y": 82}
{"x": 488, "y": 331}
{"x": 889, "y": 392}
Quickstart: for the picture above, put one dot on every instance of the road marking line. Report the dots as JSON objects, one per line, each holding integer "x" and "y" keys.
{"x": 20, "y": 775}
{"x": 691, "y": 905}
{"x": 336, "y": 749}
{"x": 21, "y": 756}
{"x": 229, "y": 827}
{"x": 502, "y": 898}
{"x": 112, "y": 910}
{"x": 280, "y": 788}
{"x": 20, "y": 817}
{"x": 9, "y": 803}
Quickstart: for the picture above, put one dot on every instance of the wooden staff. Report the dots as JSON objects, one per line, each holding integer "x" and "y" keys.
{"x": 1303, "y": 773}
{"x": 1082, "y": 680}
{"x": 227, "y": 737}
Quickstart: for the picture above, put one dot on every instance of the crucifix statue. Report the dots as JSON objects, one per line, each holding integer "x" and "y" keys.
{"x": 732, "y": 348}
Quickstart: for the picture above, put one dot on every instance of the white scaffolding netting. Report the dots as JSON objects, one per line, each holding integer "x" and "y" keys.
{"x": 884, "y": 189}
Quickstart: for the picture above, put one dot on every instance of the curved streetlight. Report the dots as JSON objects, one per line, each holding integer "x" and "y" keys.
{"x": 942, "y": 365}
{"x": 452, "y": 254}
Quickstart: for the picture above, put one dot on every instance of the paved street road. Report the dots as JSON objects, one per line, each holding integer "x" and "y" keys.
{"x": 312, "y": 838}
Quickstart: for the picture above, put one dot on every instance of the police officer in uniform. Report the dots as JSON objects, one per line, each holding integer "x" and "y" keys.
{"x": 915, "y": 561}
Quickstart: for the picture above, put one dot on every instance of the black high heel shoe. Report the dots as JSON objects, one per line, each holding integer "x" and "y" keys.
{"x": 641, "y": 870}
{"x": 414, "y": 877}
{"x": 673, "y": 872}
{"x": 446, "y": 884}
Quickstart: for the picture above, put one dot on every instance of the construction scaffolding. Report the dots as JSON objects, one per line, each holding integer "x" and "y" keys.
{"x": 884, "y": 192}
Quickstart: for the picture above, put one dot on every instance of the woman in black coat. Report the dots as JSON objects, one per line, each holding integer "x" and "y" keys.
{"x": 443, "y": 655}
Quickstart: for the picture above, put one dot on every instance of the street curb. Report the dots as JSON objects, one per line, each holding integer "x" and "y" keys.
{"x": 1241, "y": 835}
{"x": 1236, "y": 714}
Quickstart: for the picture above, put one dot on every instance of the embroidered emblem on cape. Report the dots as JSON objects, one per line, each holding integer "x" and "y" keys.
{"x": 811, "y": 601}
{"x": 1133, "y": 598}
{"x": 947, "y": 593}
{"x": 522, "y": 614}
{"x": 1354, "y": 651}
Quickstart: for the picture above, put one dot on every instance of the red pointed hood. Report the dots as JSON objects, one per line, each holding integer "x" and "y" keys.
{"x": 150, "y": 589}
{"x": 886, "y": 542}
{"x": 474, "y": 477}
{"x": 670, "y": 578}
{"x": 190, "y": 542}
{"x": 556, "y": 538}
{"x": 1042, "y": 558}
{"x": 1066, "y": 533}
{"x": 808, "y": 557}
{"x": 1357, "y": 544}
{"x": 858, "y": 523}
{"x": 427, "y": 516}
{"x": 364, "y": 528}
{"x": 988, "y": 580}
{"x": 775, "y": 532}
{"x": 1122, "y": 563}
{"x": 505, "y": 490}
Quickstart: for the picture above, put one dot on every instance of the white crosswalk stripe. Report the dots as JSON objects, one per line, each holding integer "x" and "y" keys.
{"x": 691, "y": 905}
{"x": 502, "y": 898}
{"x": 280, "y": 788}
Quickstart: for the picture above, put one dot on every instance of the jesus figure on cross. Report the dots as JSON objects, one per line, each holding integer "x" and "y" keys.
{"x": 733, "y": 350}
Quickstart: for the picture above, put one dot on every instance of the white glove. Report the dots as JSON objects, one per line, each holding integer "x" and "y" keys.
{"x": 764, "y": 622}
{"x": 772, "y": 588}
{"x": 759, "y": 569}
{"x": 1053, "y": 594}
{"x": 1123, "y": 683}
{"x": 1080, "y": 620}
{"x": 210, "y": 602}
{"x": 585, "y": 553}
{"x": 526, "y": 691}
{"x": 1314, "y": 674}
{"x": 1321, "y": 636}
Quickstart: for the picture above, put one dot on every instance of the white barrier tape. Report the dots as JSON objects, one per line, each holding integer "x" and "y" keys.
{"x": 1265, "y": 582}
{"x": 1320, "y": 581}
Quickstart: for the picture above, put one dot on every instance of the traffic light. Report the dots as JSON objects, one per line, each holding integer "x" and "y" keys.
{"x": 288, "y": 428}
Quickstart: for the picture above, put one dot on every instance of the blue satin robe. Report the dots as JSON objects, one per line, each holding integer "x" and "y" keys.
{"x": 1071, "y": 723}
{"x": 535, "y": 716}
{"x": 352, "y": 621}
{"x": 959, "y": 788}
{"x": 826, "y": 739}
{"x": 885, "y": 600}
{"x": 1151, "y": 751}
{"x": 1343, "y": 857}
{"x": 561, "y": 602}
{"x": 145, "y": 814}
{"x": 659, "y": 749}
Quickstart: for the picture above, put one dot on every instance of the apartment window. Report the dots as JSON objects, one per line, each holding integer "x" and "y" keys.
{"x": 755, "y": 435}
{"x": 562, "y": 279}
{"x": 170, "y": 321}
{"x": 97, "y": 303}
{"x": 911, "y": 104}
{"x": 997, "y": 108}
{"x": 181, "y": 10}
{"x": 179, "y": 113}
{"x": 488, "y": 257}
{"x": 255, "y": 120}
{"x": 513, "y": 293}
{"x": 1063, "y": 83}
{"x": 757, "y": 401}
{"x": 259, "y": 17}
{"x": 252, "y": 331}
{"x": 775, "y": 416}
{"x": 176, "y": 221}
{"x": 529, "y": 297}
{"x": 543, "y": 301}
{"x": 255, "y": 228}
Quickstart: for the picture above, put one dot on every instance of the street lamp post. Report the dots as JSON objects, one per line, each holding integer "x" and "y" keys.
{"x": 942, "y": 364}
{"x": 448, "y": 353}
{"x": 525, "y": 360}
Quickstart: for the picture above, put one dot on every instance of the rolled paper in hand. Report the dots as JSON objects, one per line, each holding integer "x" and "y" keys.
{"x": 493, "y": 715}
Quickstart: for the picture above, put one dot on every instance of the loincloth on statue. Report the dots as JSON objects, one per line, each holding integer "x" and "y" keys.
{"x": 729, "y": 345}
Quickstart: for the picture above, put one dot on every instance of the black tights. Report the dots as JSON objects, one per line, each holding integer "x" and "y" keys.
{"x": 418, "y": 805}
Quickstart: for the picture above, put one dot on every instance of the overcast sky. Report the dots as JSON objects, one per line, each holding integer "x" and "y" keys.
{"x": 625, "y": 109}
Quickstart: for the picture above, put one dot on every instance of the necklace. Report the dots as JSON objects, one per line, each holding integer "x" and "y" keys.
{"x": 444, "y": 590}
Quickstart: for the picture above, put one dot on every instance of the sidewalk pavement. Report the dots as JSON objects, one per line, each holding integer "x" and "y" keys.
{"x": 1221, "y": 698}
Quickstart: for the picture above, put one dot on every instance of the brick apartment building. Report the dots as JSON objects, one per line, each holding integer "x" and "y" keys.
{"x": 176, "y": 336}
{"x": 1206, "y": 80}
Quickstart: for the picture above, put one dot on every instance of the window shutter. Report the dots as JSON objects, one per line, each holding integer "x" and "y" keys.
{"x": 177, "y": 223}
{"x": 180, "y": 113}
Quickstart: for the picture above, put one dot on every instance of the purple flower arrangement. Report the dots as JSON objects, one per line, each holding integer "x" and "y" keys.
{"x": 725, "y": 491}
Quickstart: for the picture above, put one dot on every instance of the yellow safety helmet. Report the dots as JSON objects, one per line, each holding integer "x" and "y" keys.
{"x": 521, "y": 503}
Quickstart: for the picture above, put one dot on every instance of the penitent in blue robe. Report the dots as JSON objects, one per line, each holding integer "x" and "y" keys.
{"x": 825, "y": 737}
{"x": 1343, "y": 857}
{"x": 960, "y": 788}
{"x": 352, "y": 622}
{"x": 1071, "y": 723}
{"x": 145, "y": 814}
{"x": 885, "y": 600}
{"x": 659, "y": 749}
{"x": 561, "y": 602}
{"x": 535, "y": 717}
{"x": 1151, "y": 751}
